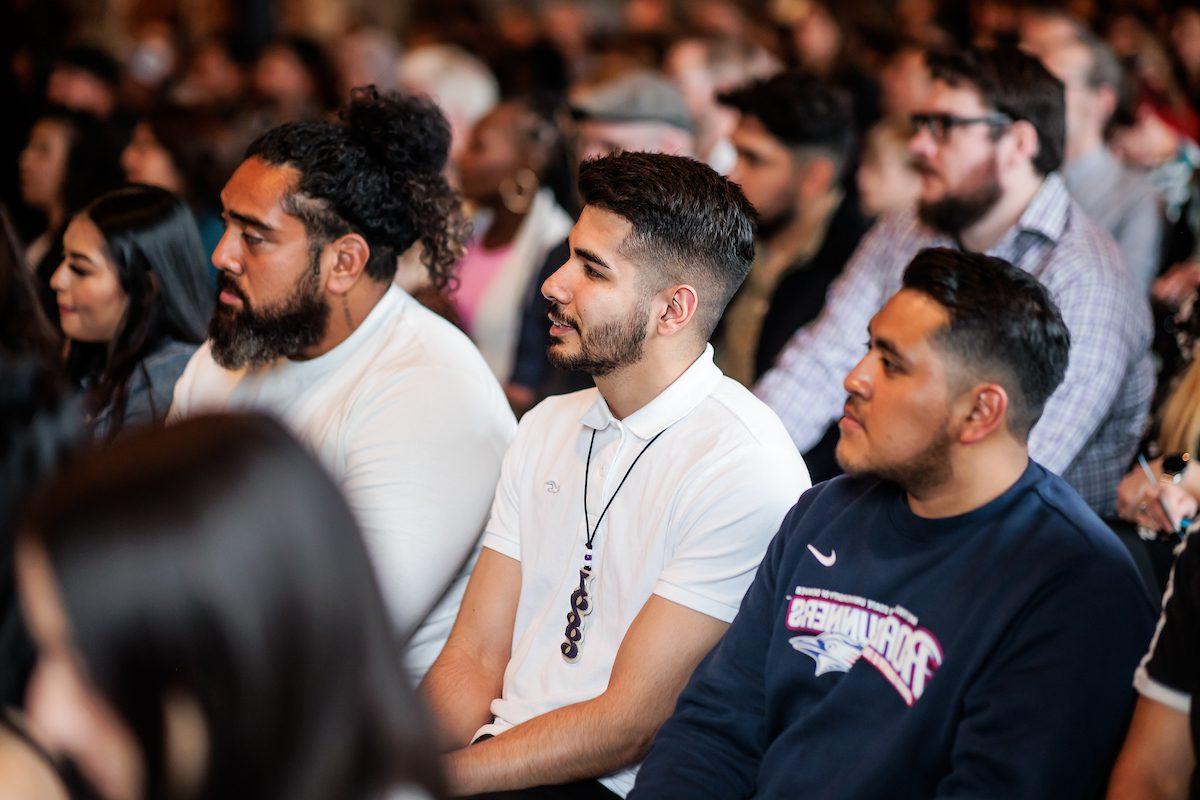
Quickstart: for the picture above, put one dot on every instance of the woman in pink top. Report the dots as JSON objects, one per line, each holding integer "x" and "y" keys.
{"x": 514, "y": 156}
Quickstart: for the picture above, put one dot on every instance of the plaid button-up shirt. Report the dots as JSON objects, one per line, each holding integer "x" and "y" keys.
{"x": 1092, "y": 424}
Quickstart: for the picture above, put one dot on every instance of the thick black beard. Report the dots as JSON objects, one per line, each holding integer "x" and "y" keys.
{"x": 248, "y": 338}
{"x": 953, "y": 214}
{"x": 607, "y": 349}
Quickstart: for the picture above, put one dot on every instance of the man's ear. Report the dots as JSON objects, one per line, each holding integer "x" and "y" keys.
{"x": 1025, "y": 139}
{"x": 986, "y": 412}
{"x": 682, "y": 303}
{"x": 816, "y": 177}
{"x": 349, "y": 255}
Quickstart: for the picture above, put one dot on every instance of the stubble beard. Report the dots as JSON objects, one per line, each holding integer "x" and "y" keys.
{"x": 607, "y": 348}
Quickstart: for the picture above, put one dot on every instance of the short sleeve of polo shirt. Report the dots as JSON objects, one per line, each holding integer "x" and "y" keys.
{"x": 726, "y": 520}
{"x": 503, "y": 531}
{"x": 1168, "y": 674}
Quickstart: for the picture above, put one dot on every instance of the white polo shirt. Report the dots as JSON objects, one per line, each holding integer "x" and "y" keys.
{"x": 412, "y": 424}
{"x": 691, "y": 524}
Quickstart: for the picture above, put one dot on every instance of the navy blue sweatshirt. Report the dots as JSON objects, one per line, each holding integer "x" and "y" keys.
{"x": 878, "y": 654}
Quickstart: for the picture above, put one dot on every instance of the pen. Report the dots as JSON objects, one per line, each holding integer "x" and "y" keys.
{"x": 1184, "y": 523}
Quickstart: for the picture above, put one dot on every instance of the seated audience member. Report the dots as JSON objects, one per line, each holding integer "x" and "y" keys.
{"x": 512, "y": 163}
{"x": 70, "y": 160}
{"x": 133, "y": 303}
{"x": 1158, "y": 761}
{"x": 85, "y": 78}
{"x": 1161, "y": 506}
{"x": 294, "y": 79}
{"x": 1118, "y": 199}
{"x": 310, "y": 327}
{"x": 793, "y": 141}
{"x": 41, "y": 423}
{"x": 462, "y": 85}
{"x": 987, "y": 147}
{"x": 904, "y": 83}
{"x": 178, "y": 149}
{"x": 948, "y": 619}
{"x": 25, "y": 332}
{"x": 639, "y": 112}
{"x": 886, "y": 179}
{"x": 1152, "y": 142}
{"x": 199, "y": 638}
{"x": 702, "y": 68}
{"x": 649, "y": 577}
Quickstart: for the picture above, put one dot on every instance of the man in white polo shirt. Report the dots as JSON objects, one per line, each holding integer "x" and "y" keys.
{"x": 629, "y": 518}
{"x": 396, "y": 402}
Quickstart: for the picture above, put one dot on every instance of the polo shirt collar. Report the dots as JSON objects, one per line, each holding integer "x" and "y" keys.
{"x": 671, "y": 405}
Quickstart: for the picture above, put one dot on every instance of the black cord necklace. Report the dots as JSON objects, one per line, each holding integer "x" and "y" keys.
{"x": 581, "y": 600}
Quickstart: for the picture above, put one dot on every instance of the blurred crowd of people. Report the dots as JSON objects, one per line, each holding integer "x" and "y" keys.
{"x": 359, "y": 234}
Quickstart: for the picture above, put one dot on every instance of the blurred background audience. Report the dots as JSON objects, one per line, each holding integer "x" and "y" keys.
{"x": 123, "y": 121}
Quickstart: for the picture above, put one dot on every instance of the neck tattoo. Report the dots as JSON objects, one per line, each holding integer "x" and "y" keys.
{"x": 346, "y": 312}
{"x": 581, "y": 598}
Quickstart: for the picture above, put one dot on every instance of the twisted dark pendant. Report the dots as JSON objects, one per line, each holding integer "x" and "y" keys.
{"x": 581, "y": 606}
{"x": 581, "y": 599}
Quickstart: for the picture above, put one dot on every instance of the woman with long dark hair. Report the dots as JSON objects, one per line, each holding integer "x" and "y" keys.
{"x": 71, "y": 159}
{"x": 209, "y": 625}
{"x": 134, "y": 301}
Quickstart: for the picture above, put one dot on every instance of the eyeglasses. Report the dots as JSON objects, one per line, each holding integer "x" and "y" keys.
{"x": 939, "y": 125}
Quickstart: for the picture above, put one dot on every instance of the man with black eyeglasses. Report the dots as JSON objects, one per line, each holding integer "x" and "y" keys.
{"x": 987, "y": 145}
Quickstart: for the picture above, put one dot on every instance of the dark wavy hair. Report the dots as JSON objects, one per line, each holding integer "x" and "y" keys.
{"x": 183, "y": 576}
{"x": 376, "y": 171}
{"x": 1004, "y": 326}
{"x": 151, "y": 237}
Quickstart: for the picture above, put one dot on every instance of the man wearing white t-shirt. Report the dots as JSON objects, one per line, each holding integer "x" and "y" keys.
{"x": 629, "y": 518}
{"x": 396, "y": 402}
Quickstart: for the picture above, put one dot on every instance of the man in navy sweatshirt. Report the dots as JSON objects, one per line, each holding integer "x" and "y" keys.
{"x": 948, "y": 619}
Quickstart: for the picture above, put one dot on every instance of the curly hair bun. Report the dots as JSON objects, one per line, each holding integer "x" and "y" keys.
{"x": 406, "y": 133}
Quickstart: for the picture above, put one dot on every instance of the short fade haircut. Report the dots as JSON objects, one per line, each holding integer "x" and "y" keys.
{"x": 1004, "y": 326}
{"x": 376, "y": 171}
{"x": 801, "y": 111}
{"x": 1016, "y": 84}
{"x": 690, "y": 225}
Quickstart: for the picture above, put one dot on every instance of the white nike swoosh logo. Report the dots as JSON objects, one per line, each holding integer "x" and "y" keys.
{"x": 826, "y": 560}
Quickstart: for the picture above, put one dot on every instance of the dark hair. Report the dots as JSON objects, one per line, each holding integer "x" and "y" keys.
{"x": 312, "y": 59}
{"x": 544, "y": 129}
{"x": 24, "y": 329}
{"x": 377, "y": 171}
{"x": 93, "y": 60}
{"x": 183, "y": 575}
{"x": 689, "y": 223}
{"x": 190, "y": 138}
{"x": 800, "y": 110}
{"x": 93, "y": 157}
{"x": 151, "y": 237}
{"x": 41, "y": 423}
{"x": 1016, "y": 84}
{"x": 1004, "y": 326}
